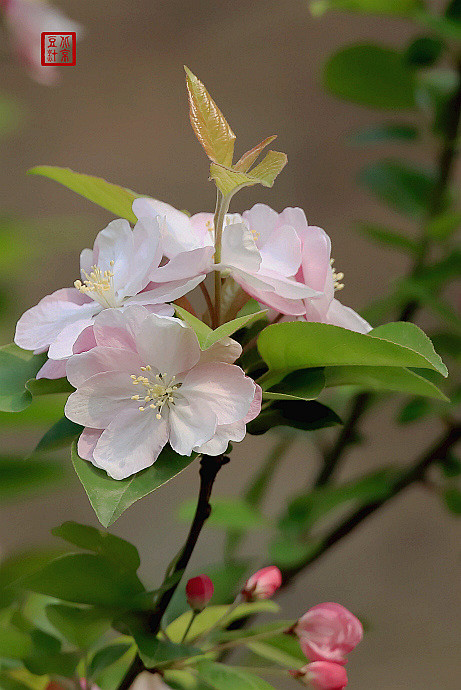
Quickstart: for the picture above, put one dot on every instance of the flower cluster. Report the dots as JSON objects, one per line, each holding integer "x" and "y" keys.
{"x": 142, "y": 379}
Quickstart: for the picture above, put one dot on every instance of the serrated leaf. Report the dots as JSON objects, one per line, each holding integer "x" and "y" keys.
{"x": 395, "y": 379}
{"x": 371, "y": 75}
{"x": 111, "y": 497}
{"x": 307, "y": 415}
{"x": 230, "y": 181}
{"x": 118, "y": 200}
{"x": 207, "y": 336}
{"x": 209, "y": 124}
{"x": 248, "y": 158}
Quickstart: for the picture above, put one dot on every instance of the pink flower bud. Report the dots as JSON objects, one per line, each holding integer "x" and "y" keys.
{"x": 199, "y": 591}
{"x": 262, "y": 584}
{"x": 328, "y": 632}
{"x": 322, "y": 675}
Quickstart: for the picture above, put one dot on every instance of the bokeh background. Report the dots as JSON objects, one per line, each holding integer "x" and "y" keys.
{"x": 121, "y": 113}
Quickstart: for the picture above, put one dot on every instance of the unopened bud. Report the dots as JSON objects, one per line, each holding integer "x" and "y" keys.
{"x": 199, "y": 591}
{"x": 322, "y": 675}
{"x": 263, "y": 584}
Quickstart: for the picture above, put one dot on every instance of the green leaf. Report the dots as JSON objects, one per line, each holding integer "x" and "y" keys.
{"x": 230, "y": 181}
{"x": 124, "y": 555}
{"x": 206, "y": 336}
{"x": 443, "y": 26}
{"x": 14, "y": 568}
{"x": 304, "y": 384}
{"x": 105, "y": 657}
{"x": 16, "y": 368}
{"x": 213, "y": 614}
{"x": 407, "y": 188}
{"x": 117, "y": 200}
{"x": 453, "y": 10}
{"x": 400, "y": 8}
{"x": 209, "y": 124}
{"x": 49, "y": 386}
{"x": 112, "y": 676}
{"x": 372, "y": 75}
{"x": 413, "y": 410}
{"x": 283, "y": 650}
{"x": 19, "y": 477}
{"x": 396, "y": 379}
{"x": 248, "y": 158}
{"x": 451, "y": 466}
{"x": 289, "y": 346}
{"x": 154, "y": 651}
{"x": 82, "y": 627}
{"x": 46, "y": 656}
{"x": 291, "y": 553}
{"x": 424, "y": 51}
{"x": 61, "y": 434}
{"x": 230, "y": 513}
{"x": 14, "y": 644}
{"x": 452, "y": 498}
{"x": 379, "y": 134}
{"x": 222, "y": 677}
{"x": 389, "y": 238}
{"x": 7, "y": 682}
{"x": 300, "y": 414}
{"x": 85, "y": 579}
{"x": 111, "y": 497}
{"x": 442, "y": 227}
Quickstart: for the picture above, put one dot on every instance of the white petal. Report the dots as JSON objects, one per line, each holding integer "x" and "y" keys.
{"x": 262, "y": 220}
{"x": 225, "y": 350}
{"x": 119, "y": 327}
{"x": 185, "y": 265}
{"x": 165, "y": 292}
{"x": 100, "y": 399}
{"x": 62, "y": 345}
{"x": 144, "y": 258}
{"x": 191, "y": 424}
{"x": 99, "y": 360}
{"x": 41, "y": 325}
{"x": 239, "y": 248}
{"x": 177, "y": 232}
{"x": 52, "y": 369}
{"x": 115, "y": 243}
{"x": 167, "y": 344}
{"x": 219, "y": 442}
{"x": 282, "y": 252}
{"x": 272, "y": 299}
{"x": 339, "y": 315}
{"x": 223, "y": 388}
{"x": 87, "y": 442}
{"x": 131, "y": 442}
{"x": 86, "y": 260}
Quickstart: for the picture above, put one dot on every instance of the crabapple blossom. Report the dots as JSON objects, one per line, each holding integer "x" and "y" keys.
{"x": 314, "y": 269}
{"x": 149, "y": 681}
{"x": 25, "y": 21}
{"x": 199, "y": 591}
{"x": 322, "y": 675}
{"x": 146, "y": 383}
{"x": 259, "y": 264}
{"x": 122, "y": 269}
{"x": 328, "y": 632}
{"x": 263, "y": 584}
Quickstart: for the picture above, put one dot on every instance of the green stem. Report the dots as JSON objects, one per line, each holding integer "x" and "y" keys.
{"x": 194, "y": 615}
{"x": 222, "y": 207}
{"x": 219, "y": 622}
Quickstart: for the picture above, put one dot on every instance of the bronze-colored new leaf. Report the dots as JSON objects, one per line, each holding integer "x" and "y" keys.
{"x": 248, "y": 158}
{"x": 209, "y": 124}
{"x": 230, "y": 181}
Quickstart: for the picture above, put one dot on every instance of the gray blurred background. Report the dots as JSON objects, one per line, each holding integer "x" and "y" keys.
{"x": 121, "y": 113}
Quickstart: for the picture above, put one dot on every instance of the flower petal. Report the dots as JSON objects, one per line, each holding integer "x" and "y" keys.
{"x": 100, "y": 399}
{"x": 52, "y": 369}
{"x": 219, "y": 442}
{"x": 225, "y": 350}
{"x": 165, "y": 292}
{"x": 185, "y": 265}
{"x": 145, "y": 256}
{"x": 39, "y": 326}
{"x": 239, "y": 248}
{"x": 87, "y": 442}
{"x": 339, "y": 315}
{"x": 82, "y": 367}
{"x": 118, "y": 328}
{"x": 191, "y": 424}
{"x": 130, "y": 443}
{"x": 223, "y": 388}
{"x": 167, "y": 344}
{"x": 177, "y": 232}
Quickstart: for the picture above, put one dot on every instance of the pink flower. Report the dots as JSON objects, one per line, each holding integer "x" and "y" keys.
{"x": 25, "y": 21}
{"x": 328, "y": 632}
{"x": 122, "y": 269}
{"x": 314, "y": 269}
{"x": 263, "y": 584}
{"x": 264, "y": 262}
{"x": 147, "y": 383}
{"x": 199, "y": 591}
{"x": 322, "y": 675}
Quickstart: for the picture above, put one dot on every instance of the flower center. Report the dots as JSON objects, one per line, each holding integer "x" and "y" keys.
{"x": 99, "y": 285}
{"x": 157, "y": 392}
{"x": 337, "y": 277}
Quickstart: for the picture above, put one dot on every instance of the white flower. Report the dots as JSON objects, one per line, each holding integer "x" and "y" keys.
{"x": 121, "y": 269}
{"x": 147, "y": 383}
